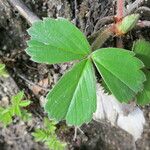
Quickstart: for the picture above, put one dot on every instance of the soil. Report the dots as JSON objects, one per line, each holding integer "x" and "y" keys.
{"x": 26, "y": 75}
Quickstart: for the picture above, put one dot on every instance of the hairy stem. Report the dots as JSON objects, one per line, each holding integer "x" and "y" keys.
{"x": 120, "y": 9}
{"x": 99, "y": 38}
{"x": 24, "y": 11}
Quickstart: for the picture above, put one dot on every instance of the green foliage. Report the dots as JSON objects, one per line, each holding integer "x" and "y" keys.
{"x": 15, "y": 109}
{"x": 120, "y": 70}
{"x": 105, "y": 87}
{"x": 128, "y": 23}
{"x": 74, "y": 97}
{"x": 5, "y": 116}
{"x": 142, "y": 50}
{"x": 25, "y": 116}
{"x": 48, "y": 136}
{"x": 143, "y": 97}
{"x": 56, "y": 41}
{"x": 76, "y": 103}
{"x": 17, "y": 104}
{"x": 3, "y": 71}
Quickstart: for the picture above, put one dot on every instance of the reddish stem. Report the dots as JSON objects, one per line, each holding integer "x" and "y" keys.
{"x": 120, "y": 10}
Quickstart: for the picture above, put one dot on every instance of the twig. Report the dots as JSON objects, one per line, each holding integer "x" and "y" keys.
{"x": 75, "y": 134}
{"x": 24, "y": 11}
{"x": 103, "y": 21}
{"x": 81, "y": 131}
{"x": 133, "y": 6}
{"x": 76, "y": 11}
{"x": 143, "y": 8}
{"x": 76, "y": 129}
{"x": 143, "y": 24}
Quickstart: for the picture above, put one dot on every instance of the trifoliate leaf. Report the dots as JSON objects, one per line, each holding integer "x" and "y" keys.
{"x": 56, "y": 41}
{"x": 74, "y": 97}
{"x": 142, "y": 50}
{"x": 3, "y": 71}
{"x": 121, "y": 72}
{"x": 143, "y": 97}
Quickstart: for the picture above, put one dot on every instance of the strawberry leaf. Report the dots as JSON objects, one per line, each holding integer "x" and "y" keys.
{"x": 74, "y": 97}
{"x": 120, "y": 71}
{"x": 143, "y": 97}
{"x": 56, "y": 41}
{"x": 142, "y": 50}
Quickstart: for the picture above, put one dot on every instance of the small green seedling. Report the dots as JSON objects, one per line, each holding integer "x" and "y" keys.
{"x": 3, "y": 71}
{"x": 74, "y": 97}
{"x": 48, "y": 136}
{"x": 15, "y": 109}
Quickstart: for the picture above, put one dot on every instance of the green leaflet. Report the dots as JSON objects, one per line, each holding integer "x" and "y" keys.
{"x": 3, "y": 71}
{"x": 105, "y": 88}
{"x": 48, "y": 136}
{"x": 48, "y": 131}
{"x": 5, "y": 116}
{"x": 120, "y": 71}
{"x": 40, "y": 135}
{"x": 142, "y": 50}
{"x": 56, "y": 41}
{"x": 18, "y": 103}
{"x": 25, "y": 116}
{"x": 15, "y": 109}
{"x": 17, "y": 98}
{"x": 143, "y": 97}
{"x": 74, "y": 97}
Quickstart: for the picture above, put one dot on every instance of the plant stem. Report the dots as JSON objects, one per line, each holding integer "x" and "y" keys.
{"x": 120, "y": 10}
{"x": 132, "y": 7}
{"x": 24, "y": 11}
{"x": 102, "y": 36}
{"x": 143, "y": 24}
